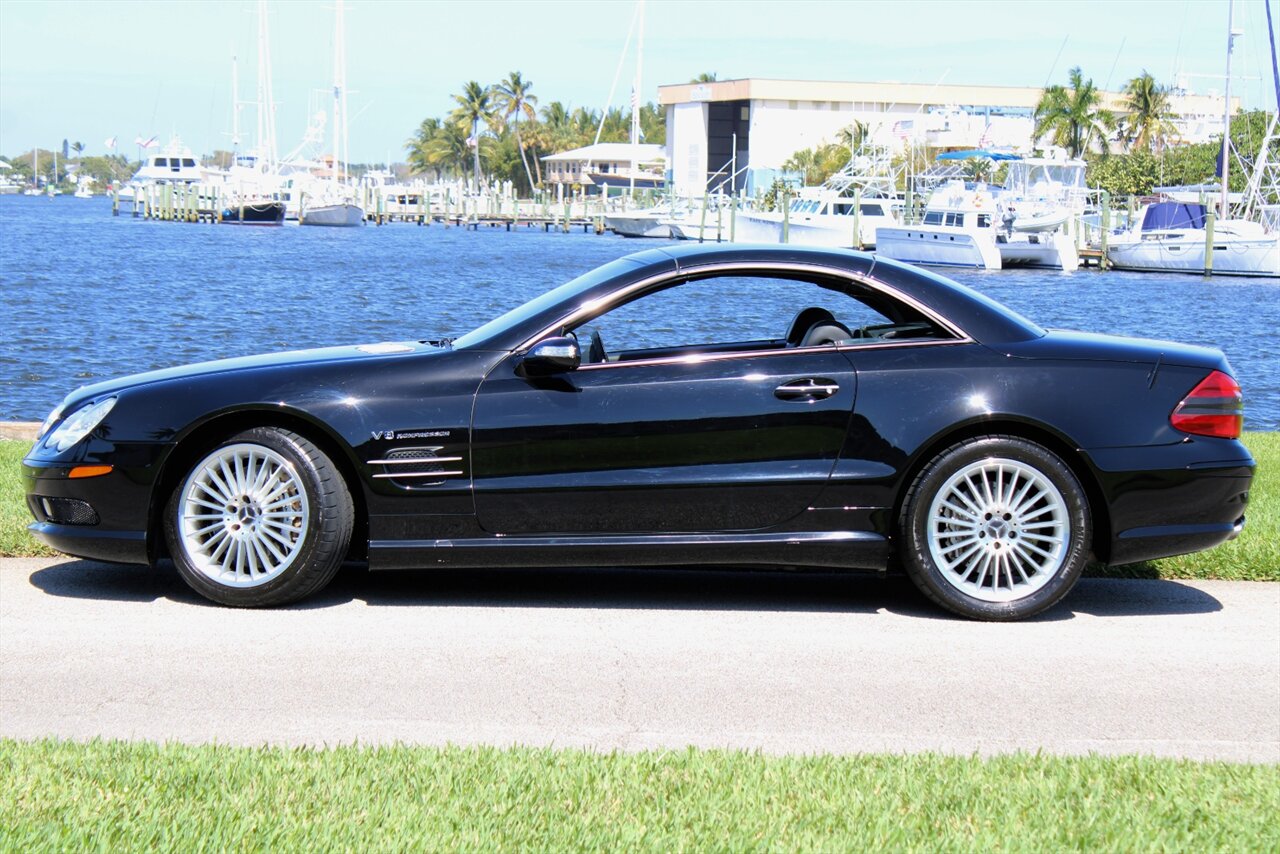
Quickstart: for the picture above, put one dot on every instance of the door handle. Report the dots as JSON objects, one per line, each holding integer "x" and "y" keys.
{"x": 810, "y": 388}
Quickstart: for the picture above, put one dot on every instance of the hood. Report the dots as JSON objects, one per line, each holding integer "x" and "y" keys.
{"x": 359, "y": 352}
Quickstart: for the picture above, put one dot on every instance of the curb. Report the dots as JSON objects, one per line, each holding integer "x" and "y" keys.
{"x": 24, "y": 430}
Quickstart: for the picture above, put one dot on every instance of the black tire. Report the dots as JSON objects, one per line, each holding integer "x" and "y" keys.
{"x": 295, "y": 526}
{"x": 950, "y": 557}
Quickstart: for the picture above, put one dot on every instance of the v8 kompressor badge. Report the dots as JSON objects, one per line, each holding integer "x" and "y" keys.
{"x": 415, "y": 433}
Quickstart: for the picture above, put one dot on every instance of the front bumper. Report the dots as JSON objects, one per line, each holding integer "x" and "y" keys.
{"x": 101, "y": 518}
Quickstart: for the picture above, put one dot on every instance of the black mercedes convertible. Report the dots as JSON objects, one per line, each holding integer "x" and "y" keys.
{"x": 739, "y": 406}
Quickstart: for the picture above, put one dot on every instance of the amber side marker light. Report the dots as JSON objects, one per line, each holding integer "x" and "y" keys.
{"x": 1215, "y": 407}
{"x": 89, "y": 471}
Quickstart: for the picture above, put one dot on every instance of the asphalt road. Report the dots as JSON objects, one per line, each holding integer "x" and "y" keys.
{"x": 640, "y": 659}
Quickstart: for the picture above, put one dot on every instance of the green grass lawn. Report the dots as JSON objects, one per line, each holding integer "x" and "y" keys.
{"x": 110, "y": 796}
{"x": 1254, "y": 556}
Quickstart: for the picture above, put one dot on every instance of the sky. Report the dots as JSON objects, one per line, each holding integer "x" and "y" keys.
{"x": 88, "y": 70}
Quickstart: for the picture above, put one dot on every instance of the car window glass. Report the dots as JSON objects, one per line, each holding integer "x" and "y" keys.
{"x": 724, "y": 310}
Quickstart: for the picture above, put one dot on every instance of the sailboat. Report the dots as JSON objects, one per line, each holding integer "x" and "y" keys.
{"x": 334, "y": 201}
{"x": 1173, "y": 237}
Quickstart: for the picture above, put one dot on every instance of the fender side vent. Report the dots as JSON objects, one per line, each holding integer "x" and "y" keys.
{"x": 417, "y": 468}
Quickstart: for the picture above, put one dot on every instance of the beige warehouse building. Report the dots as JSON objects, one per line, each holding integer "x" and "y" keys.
{"x": 752, "y": 126}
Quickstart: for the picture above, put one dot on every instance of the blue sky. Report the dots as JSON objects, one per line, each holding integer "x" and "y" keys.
{"x": 91, "y": 69}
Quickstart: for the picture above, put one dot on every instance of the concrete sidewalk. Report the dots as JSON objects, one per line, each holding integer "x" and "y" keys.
{"x": 638, "y": 659}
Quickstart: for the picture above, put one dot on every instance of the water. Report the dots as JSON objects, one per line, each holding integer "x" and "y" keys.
{"x": 87, "y": 297}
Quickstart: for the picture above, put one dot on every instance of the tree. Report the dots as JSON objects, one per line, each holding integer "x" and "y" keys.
{"x": 653, "y": 123}
{"x": 1073, "y": 116}
{"x": 852, "y": 136}
{"x": 1149, "y": 118}
{"x": 820, "y": 163}
{"x": 475, "y": 105}
{"x": 514, "y": 100}
{"x": 418, "y": 147}
{"x": 705, "y": 77}
{"x": 78, "y": 148}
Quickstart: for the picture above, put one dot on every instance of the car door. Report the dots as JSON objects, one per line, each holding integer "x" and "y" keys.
{"x": 734, "y": 441}
{"x": 707, "y": 412}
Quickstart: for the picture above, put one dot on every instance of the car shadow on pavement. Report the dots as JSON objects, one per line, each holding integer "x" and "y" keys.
{"x": 658, "y": 589}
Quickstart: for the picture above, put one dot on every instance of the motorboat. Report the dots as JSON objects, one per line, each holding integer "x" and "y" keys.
{"x": 258, "y": 211}
{"x": 958, "y": 230}
{"x": 845, "y": 211}
{"x": 651, "y": 222}
{"x": 1172, "y": 237}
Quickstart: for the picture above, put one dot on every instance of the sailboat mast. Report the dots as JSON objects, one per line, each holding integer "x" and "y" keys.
{"x": 339, "y": 95}
{"x": 1226, "y": 111}
{"x": 635, "y": 97}
{"x": 235, "y": 107}
{"x": 266, "y": 107}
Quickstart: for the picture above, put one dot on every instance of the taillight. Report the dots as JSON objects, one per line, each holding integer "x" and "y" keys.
{"x": 1215, "y": 407}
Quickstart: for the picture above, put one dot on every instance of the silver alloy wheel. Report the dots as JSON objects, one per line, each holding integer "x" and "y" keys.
{"x": 998, "y": 530}
{"x": 243, "y": 515}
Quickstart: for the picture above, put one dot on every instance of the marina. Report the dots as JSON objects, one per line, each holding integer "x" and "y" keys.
{"x": 78, "y": 284}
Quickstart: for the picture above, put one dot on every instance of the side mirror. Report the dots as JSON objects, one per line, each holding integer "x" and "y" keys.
{"x": 552, "y": 356}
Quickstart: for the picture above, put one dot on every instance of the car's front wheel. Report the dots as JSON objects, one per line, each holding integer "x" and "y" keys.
{"x": 262, "y": 519}
{"x": 995, "y": 528}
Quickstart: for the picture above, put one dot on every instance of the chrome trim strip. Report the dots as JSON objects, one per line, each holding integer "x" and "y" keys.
{"x": 418, "y": 460}
{"x": 626, "y": 540}
{"x": 698, "y": 358}
{"x": 409, "y": 474}
{"x": 593, "y": 307}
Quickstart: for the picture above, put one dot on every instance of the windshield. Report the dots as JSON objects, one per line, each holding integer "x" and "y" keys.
{"x": 517, "y": 316}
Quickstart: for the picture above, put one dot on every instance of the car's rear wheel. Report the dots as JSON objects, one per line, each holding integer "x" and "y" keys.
{"x": 264, "y": 518}
{"x": 995, "y": 528}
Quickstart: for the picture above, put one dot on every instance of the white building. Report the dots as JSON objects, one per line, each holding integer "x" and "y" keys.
{"x": 752, "y": 126}
{"x": 607, "y": 163}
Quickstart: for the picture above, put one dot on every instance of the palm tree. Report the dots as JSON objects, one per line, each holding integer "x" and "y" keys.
{"x": 1150, "y": 117}
{"x": 449, "y": 149}
{"x": 653, "y": 123}
{"x": 705, "y": 77}
{"x": 1073, "y": 115}
{"x": 419, "y": 147}
{"x": 475, "y": 104}
{"x": 977, "y": 169}
{"x": 852, "y": 136}
{"x": 514, "y": 99}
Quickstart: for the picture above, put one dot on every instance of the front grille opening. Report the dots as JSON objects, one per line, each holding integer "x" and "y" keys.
{"x": 67, "y": 511}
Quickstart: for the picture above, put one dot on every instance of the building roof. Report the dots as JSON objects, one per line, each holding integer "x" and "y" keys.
{"x": 913, "y": 94}
{"x": 620, "y": 152}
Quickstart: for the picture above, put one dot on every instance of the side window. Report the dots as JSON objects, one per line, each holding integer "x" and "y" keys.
{"x": 730, "y": 313}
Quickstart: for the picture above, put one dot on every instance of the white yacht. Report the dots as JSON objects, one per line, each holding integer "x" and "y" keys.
{"x": 651, "y": 222}
{"x": 173, "y": 165}
{"x": 958, "y": 230}
{"x": 1172, "y": 237}
{"x": 861, "y": 197}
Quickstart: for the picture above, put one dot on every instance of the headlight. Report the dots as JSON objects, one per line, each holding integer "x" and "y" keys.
{"x": 79, "y": 424}
{"x": 48, "y": 422}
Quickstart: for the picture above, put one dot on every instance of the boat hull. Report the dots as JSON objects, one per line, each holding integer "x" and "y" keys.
{"x": 254, "y": 213}
{"x": 637, "y": 226}
{"x": 1050, "y": 252}
{"x": 1249, "y": 257}
{"x": 830, "y": 232}
{"x": 333, "y": 216}
{"x": 938, "y": 246}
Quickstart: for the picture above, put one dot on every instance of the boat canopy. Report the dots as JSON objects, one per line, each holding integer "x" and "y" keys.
{"x": 976, "y": 152}
{"x": 1162, "y": 215}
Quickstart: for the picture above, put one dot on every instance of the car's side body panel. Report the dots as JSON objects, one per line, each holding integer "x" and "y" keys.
{"x": 676, "y": 446}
